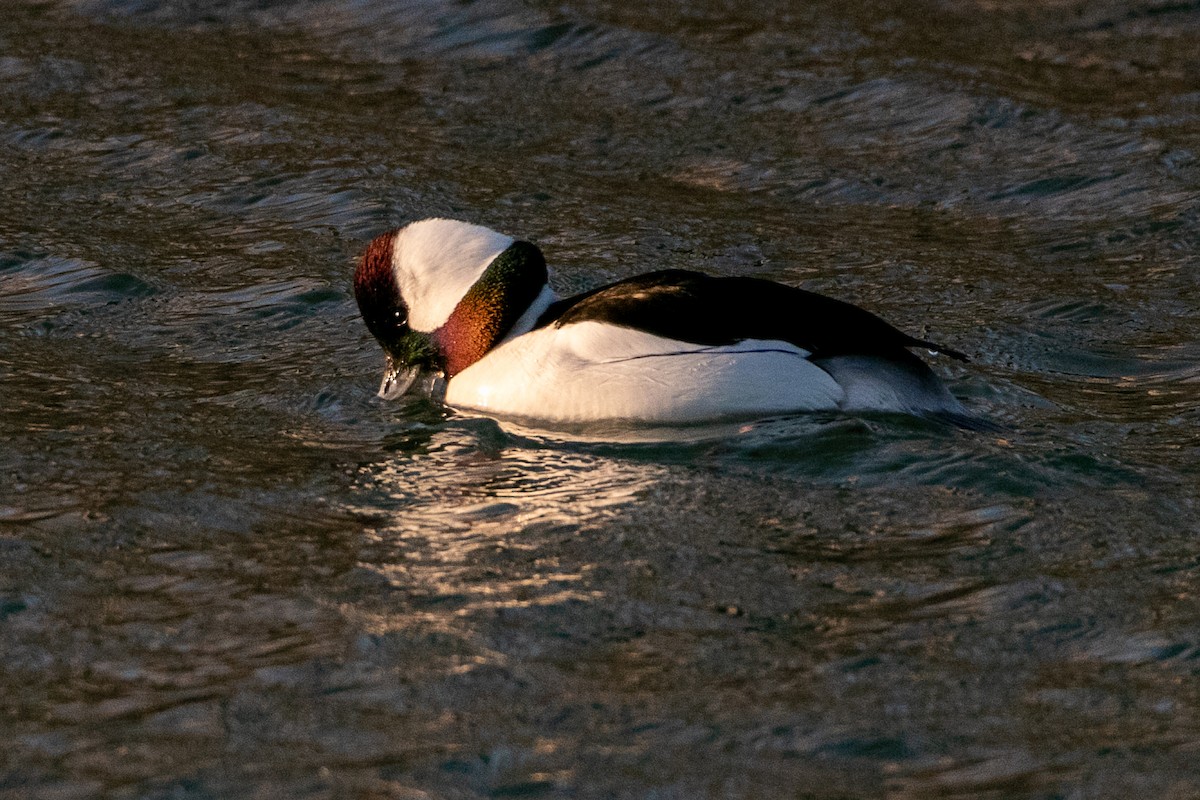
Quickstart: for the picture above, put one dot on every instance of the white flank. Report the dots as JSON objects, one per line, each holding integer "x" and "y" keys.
{"x": 591, "y": 371}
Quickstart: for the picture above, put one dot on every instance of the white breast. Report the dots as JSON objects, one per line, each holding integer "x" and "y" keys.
{"x": 591, "y": 371}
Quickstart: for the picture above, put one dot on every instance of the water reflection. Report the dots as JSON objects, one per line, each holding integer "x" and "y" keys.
{"x": 466, "y": 496}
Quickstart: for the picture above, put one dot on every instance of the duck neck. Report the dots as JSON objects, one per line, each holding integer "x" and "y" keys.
{"x": 502, "y": 298}
{"x": 528, "y": 320}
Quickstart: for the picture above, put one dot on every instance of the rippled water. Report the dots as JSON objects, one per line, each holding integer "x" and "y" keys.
{"x": 227, "y": 570}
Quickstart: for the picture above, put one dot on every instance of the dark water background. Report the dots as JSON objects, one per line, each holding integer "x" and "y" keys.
{"x": 227, "y": 570}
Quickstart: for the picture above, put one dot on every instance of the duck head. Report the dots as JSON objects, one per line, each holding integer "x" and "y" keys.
{"x": 438, "y": 294}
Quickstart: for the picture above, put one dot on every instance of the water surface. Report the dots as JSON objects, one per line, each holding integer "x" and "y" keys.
{"x": 228, "y": 570}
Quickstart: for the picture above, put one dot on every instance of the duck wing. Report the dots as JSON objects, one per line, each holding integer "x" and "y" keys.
{"x": 693, "y": 307}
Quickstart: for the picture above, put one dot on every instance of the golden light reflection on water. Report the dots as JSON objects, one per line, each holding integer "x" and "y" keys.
{"x": 454, "y": 509}
{"x": 455, "y": 486}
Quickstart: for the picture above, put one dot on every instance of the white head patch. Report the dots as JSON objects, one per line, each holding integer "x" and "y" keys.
{"x": 437, "y": 261}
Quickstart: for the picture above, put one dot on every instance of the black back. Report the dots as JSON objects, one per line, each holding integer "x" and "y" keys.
{"x": 694, "y": 307}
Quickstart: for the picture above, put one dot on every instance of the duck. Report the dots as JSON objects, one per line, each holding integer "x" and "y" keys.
{"x": 473, "y": 311}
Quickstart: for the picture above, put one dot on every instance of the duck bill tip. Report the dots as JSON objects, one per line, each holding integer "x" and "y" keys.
{"x": 396, "y": 380}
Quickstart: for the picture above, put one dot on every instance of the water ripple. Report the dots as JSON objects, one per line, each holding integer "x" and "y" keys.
{"x": 33, "y": 288}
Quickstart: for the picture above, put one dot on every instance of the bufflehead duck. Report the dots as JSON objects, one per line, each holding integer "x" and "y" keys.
{"x": 674, "y": 346}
